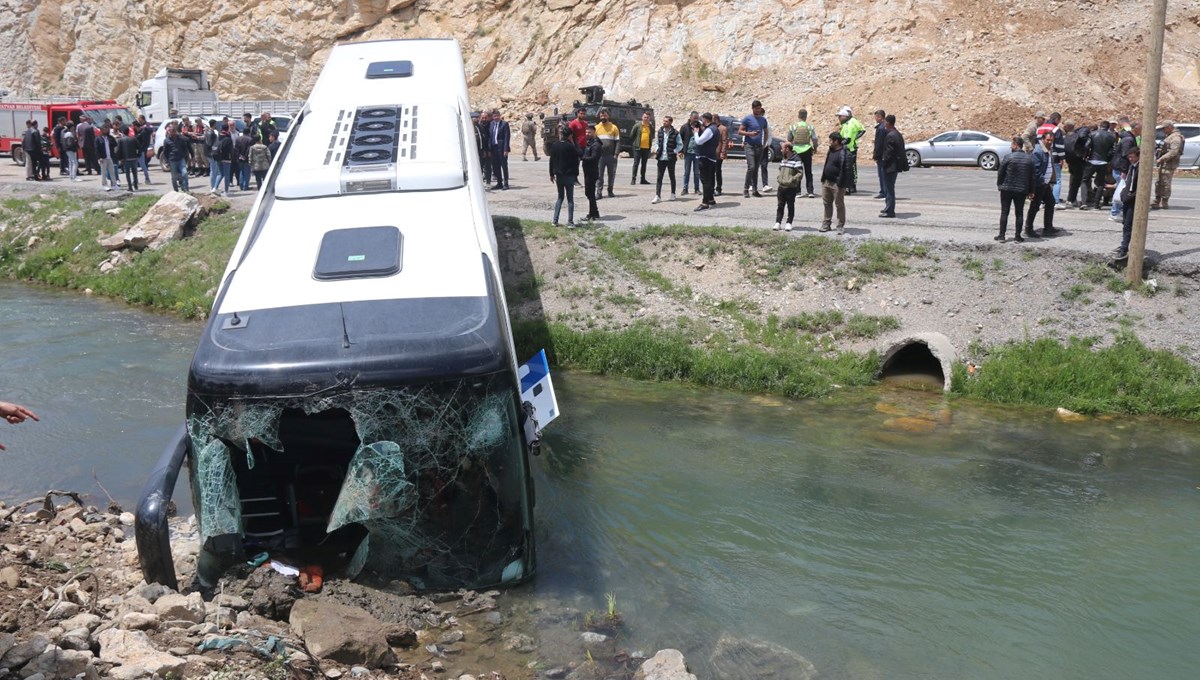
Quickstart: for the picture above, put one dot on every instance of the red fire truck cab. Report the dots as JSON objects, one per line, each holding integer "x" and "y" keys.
{"x": 14, "y": 114}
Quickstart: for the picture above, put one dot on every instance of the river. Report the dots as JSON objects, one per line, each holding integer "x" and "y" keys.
{"x": 880, "y": 533}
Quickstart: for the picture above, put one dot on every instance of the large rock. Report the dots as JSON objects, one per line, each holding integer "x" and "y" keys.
{"x": 58, "y": 664}
{"x": 20, "y": 654}
{"x": 667, "y": 664}
{"x": 339, "y": 633}
{"x": 168, "y": 220}
{"x": 7, "y": 642}
{"x": 176, "y": 607}
{"x": 738, "y": 659}
{"x": 134, "y": 651}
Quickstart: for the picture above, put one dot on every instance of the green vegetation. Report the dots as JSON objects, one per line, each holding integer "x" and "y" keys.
{"x": 1126, "y": 377}
{"x": 858, "y": 326}
{"x": 973, "y": 266}
{"x": 180, "y": 277}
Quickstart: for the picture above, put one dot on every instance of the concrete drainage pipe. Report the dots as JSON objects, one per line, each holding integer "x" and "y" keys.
{"x": 921, "y": 358}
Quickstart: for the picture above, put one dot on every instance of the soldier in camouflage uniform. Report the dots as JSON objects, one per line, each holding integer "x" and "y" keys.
{"x": 1168, "y": 162}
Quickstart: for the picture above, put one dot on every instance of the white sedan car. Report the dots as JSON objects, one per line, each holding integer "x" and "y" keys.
{"x": 959, "y": 147}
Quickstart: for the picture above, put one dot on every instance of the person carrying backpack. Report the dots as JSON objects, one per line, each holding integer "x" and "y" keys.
{"x": 1078, "y": 147}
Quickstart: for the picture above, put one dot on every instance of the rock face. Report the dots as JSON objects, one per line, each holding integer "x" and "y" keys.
{"x": 340, "y": 633}
{"x": 916, "y": 57}
{"x": 738, "y": 659}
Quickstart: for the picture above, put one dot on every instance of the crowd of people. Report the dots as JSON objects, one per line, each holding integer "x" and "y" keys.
{"x": 217, "y": 149}
{"x": 1104, "y": 165}
{"x": 703, "y": 143}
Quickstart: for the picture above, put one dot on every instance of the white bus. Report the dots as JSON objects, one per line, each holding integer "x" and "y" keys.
{"x": 355, "y": 400}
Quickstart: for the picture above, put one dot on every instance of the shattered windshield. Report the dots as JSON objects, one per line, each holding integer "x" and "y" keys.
{"x": 425, "y": 483}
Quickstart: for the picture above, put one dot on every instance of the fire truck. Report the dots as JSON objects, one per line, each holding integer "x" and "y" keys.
{"x": 15, "y": 112}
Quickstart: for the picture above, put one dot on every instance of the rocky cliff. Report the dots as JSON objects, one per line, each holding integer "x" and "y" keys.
{"x": 936, "y": 63}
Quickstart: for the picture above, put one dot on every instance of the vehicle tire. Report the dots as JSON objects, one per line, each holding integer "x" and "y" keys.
{"x": 163, "y": 164}
{"x": 914, "y": 158}
{"x": 769, "y": 155}
{"x": 988, "y": 160}
{"x": 18, "y": 155}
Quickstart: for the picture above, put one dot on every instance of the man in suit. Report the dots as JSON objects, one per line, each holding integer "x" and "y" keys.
{"x": 1128, "y": 197}
{"x": 499, "y": 144}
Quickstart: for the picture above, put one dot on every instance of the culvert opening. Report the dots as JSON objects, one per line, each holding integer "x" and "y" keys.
{"x": 914, "y": 366}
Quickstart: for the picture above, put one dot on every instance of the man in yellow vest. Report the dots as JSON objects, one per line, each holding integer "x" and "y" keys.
{"x": 803, "y": 138}
{"x": 851, "y": 131}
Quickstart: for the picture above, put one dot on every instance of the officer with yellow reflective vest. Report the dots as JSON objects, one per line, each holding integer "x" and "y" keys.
{"x": 803, "y": 138}
{"x": 851, "y": 131}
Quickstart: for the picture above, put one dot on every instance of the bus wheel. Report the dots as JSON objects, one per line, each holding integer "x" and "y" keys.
{"x": 18, "y": 155}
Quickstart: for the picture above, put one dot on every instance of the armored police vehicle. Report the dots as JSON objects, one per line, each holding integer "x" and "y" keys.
{"x": 623, "y": 114}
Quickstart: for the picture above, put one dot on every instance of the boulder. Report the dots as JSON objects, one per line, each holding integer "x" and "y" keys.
{"x": 79, "y": 639}
{"x": 58, "y": 664}
{"x": 339, "y": 633}
{"x": 85, "y": 620}
{"x": 21, "y": 654}
{"x": 136, "y": 654}
{"x": 176, "y": 607}
{"x": 7, "y": 642}
{"x": 738, "y": 659}
{"x": 667, "y": 664}
{"x": 10, "y": 577}
{"x": 168, "y": 219}
{"x": 140, "y": 621}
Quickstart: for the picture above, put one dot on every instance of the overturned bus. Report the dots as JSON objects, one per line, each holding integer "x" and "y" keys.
{"x": 355, "y": 400}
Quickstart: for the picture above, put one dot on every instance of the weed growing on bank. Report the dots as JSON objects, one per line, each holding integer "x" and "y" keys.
{"x": 180, "y": 277}
{"x": 1126, "y": 377}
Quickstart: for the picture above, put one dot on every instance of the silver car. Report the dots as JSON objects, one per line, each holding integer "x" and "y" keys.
{"x": 959, "y": 147}
{"x": 1190, "y": 160}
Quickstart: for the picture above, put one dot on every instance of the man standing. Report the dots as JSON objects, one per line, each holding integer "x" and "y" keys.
{"x": 641, "y": 136}
{"x": 1126, "y": 140}
{"x": 241, "y": 147}
{"x": 1100, "y": 150}
{"x": 1030, "y": 136}
{"x": 752, "y": 130}
{"x": 31, "y": 144}
{"x": 894, "y": 162}
{"x": 145, "y": 139}
{"x": 803, "y": 138}
{"x": 1014, "y": 178}
{"x": 177, "y": 149}
{"x": 706, "y": 153}
{"x": 1168, "y": 163}
{"x": 835, "y": 178}
{"x": 529, "y": 137}
{"x": 499, "y": 146}
{"x": 564, "y": 168}
{"x": 877, "y": 152}
{"x": 610, "y": 141}
{"x": 480, "y": 123}
{"x": 71, "y": 152}
{"x": 127, "y": 152}
{"x": 1042, "y": 194}
{"x": 667, "y": 143}
{"x": 579, "y": 128}
{"x": 106, "y": 152}
{"x": 56, "y": 134}
{"x": 1075, "y": 148}
{"x": 852, "y": 130}
{"x": 591, "y": 170}
{"x": 86, "y": 132}
{"x": 1057, "y": 151}
{"x": 722, "y": 154}
{"x": 688, "y": 153}
{"x": 1128, "y": 198}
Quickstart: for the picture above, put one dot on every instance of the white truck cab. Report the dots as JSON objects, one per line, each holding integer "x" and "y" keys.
{"x": 170, "y": 88}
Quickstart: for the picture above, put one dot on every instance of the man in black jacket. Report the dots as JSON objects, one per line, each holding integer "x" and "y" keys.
{"x": 86, "y": 132}
{"x": 127, "y": 153}
{"x": 56, "y": 134}
{"x": 877, "y": 152}
{"x": 1128, "y": 198}
{"x": 145, "y": 139}
{"x": 1076, "y": 145}
{"x": 591, "y": 170}
{"x": 894, "y": 162}
{"x": 31, "y": 144}
{"x": 1126, "y": 141}
{"x": 564, "y": 170}
{"x": 177, "y": 149}
{"x": 1014, "y": 178}
{"x": 1096, "y": 171}
{"x": 1041, "y": 194}
{"x": 836, "y": 178}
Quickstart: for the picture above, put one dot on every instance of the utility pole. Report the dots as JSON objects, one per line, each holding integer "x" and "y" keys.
{"x": 1141, "y": 208}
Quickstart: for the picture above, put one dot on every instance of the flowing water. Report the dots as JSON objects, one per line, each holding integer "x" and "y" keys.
{"x": 881, "y": 534}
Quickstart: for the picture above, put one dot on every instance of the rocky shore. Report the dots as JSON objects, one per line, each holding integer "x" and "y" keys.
{"x": 73, "y": 604}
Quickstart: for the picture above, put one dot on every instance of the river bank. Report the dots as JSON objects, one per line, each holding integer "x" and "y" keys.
{"x": 746, "y": 309}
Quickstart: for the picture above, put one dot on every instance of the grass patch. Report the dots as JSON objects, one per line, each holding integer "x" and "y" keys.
{"x": 646, "y": 353}
{"x": 856, "y": 326}
{"x": 815, "y": 322}
{"x": 884, "y": 258}
{"x": 1076, "y": 292}
{"x": 1126, "y": 377}
{"x": 973, "y": 266}
{"x": 867, "y": 326}
{"x": 180, "y": 277}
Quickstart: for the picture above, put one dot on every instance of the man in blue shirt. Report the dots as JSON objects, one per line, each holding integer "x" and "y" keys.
{"x": 752, "y": 131}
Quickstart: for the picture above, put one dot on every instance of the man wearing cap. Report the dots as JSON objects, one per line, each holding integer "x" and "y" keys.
{"x": 1168, "y": 163}
{"x": 852, "y": 130}
{"x": 752, "y": 129}
{"x": 1031, "y": 131}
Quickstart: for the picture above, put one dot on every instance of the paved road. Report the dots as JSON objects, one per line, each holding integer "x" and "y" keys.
{"x": 959, "y": 204}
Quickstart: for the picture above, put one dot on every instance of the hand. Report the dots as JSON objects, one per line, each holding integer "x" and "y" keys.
{"x": 14, "y": 414}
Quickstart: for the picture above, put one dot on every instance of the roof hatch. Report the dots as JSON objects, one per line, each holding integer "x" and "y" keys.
{"x": 358, "y": 253}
